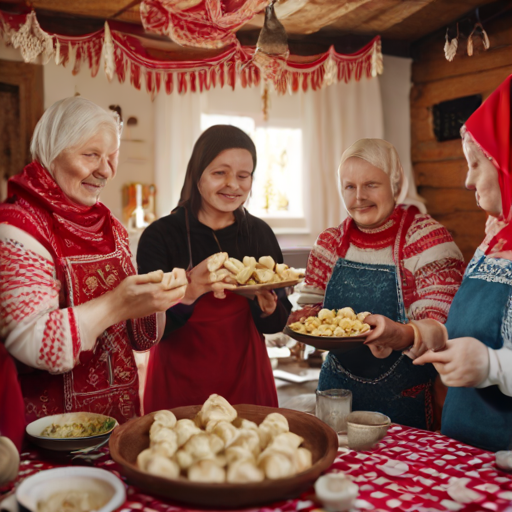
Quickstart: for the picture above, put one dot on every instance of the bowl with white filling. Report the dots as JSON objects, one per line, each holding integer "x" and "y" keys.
{"x": 71, "y": 489}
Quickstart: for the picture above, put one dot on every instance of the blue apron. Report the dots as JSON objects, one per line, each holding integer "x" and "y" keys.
{"x": 393, "y": 386}
{"x": 481, "y": 417}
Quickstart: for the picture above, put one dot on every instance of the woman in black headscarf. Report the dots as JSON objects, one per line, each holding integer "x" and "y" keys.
{"x": 211, "y": 345}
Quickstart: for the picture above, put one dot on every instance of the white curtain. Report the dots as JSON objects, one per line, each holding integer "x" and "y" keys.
{"x": 332, "y": 119}
{"x": 177, "y": 127}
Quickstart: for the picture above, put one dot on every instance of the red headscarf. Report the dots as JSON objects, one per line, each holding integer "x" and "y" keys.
{"x": 64, "y": 228}
{"x": 490, "y": 127}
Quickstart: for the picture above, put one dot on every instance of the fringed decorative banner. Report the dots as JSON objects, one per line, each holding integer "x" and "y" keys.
{"x": 126, "y": 57}
{"x": 199, "y": 23}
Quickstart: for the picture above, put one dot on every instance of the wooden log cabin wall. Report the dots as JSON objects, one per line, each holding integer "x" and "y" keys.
{"x": 439, "y": 167}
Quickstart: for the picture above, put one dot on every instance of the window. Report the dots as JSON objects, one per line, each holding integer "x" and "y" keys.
{"x": 277, "y": 186}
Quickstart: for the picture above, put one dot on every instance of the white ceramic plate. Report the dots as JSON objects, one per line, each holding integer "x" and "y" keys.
{"x": 44, "y": 484}
{"x": 35, "y": 429}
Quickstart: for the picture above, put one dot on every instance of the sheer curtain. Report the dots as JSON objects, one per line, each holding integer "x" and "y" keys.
{"x": 177, "y": 127}
{"x": 332, "y": 119}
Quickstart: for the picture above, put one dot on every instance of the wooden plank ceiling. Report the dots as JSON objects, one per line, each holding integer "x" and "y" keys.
{"x": 313, "y": 22}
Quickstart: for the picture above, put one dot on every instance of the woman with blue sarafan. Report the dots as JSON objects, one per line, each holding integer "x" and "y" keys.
{"x": 476, "y": 363}
{"x": 393, "y": 261}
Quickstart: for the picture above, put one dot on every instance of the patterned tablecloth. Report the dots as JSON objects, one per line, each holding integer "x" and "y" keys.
{"x": 409, "y": 470}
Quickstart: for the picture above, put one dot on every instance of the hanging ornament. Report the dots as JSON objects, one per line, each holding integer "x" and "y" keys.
{"x": 450, "y": 47}
{"x": 265, "y": 100}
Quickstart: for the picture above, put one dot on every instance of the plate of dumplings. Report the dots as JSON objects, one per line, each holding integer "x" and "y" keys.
{"x": 328, "y": 329}
{"x": 223, "y": 455}
{"x": 251, "y": 275}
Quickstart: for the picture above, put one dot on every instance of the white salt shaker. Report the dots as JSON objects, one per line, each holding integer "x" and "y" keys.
{"x": 336, "y": 492}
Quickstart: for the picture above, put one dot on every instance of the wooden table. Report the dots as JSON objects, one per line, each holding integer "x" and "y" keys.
{"x": 409, "y": 470}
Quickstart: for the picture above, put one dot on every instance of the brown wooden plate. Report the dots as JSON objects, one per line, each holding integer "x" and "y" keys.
{"x": 128, "y": 440}
{"x": 327, "y": 342}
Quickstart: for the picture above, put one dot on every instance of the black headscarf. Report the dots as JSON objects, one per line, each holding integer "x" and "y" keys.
{"x": 208, "y": 146}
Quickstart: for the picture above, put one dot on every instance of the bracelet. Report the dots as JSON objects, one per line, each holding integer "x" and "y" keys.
{"x": 417, "y": 335}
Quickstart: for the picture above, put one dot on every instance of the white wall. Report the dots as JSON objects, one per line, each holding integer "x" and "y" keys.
{"x": 136, "y": 158}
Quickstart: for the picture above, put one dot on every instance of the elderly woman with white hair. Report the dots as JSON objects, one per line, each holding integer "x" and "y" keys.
{"x": 393, "y": 261}
{"x": 71, "y": 307}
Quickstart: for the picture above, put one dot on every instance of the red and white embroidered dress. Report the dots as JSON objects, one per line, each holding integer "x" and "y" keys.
{"x": 54, "y": 256}
{"x": 431, "y": 269}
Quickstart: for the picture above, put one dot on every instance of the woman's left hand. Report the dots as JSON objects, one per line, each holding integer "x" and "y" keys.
{"x": 387, "y": 336}
{"x": 267, "y": 300}
{"x": 463, "y": 363}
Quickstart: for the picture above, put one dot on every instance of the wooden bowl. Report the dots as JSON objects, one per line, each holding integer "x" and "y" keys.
{"x": 128, "y": 440}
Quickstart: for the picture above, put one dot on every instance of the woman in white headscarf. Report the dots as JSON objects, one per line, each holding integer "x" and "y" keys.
{"x": 393, "y": 261}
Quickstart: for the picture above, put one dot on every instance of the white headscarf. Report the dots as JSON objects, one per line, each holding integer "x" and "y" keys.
{"x": 382, "y": 155}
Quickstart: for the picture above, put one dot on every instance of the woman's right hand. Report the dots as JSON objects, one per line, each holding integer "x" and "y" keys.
{"x": 200, "y": 283}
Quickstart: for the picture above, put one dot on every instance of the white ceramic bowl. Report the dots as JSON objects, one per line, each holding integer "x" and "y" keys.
{"x": 35, "y": 428}
{"x": 44, "y": 484}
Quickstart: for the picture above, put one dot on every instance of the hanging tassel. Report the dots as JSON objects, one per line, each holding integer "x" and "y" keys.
{"x": 450, "y": 47}
{"x": 108, "y": 54}
{"x": 377, "y": 62}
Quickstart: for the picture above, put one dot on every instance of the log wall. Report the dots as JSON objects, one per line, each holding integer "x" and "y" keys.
{"x": 440, "y": 167}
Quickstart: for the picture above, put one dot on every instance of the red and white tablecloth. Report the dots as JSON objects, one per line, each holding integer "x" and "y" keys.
{"x": 409, "y": 470}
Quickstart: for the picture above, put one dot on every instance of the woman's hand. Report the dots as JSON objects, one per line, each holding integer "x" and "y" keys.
{"x": 135, "y": 297}
{"x": 463, "y": 363}
{"x": 142, "y": 295}
{"x": 387, "y": 336}
{"x": 200, "y": 283}
{"x": 267, "y": 301}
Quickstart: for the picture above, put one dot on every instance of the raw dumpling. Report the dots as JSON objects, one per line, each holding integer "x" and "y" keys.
{"x": 303, "y": 459}
{"x": 162, "y": 466}
{"x": 185, "y": 429}
{"x": 276, "y": 464}
{"x": 273, "y": 425}
{"x": 238, "y": 453}
{"x": 206, "y": 471}
{"x": 165, "y": 418}
{"x": 226, "y": 431}
{"x": 216, "y": 261}
{"x": 287, "y": 439}
{"x": 243, "y": 471}
{"x": 267, "y": 261}
{"x": 249, "y": 261}
{"x": 217, "y": 408}
{"x": 248, "y": 438}
{"x": 144, "y": 457}
{"x": 199, "y": 446}
{"x": 165, "y": 448}
{"x": 164, "y": 435}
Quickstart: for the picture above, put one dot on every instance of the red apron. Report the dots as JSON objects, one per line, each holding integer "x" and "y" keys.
{"x": 219, "y": 350}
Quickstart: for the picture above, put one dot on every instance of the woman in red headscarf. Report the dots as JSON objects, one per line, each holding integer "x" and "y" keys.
{"x": 476, "y": 362}
{"x": 72, "y": 309}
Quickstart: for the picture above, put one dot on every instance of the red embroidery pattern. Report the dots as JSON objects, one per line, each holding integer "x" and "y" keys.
{"x": 53, "y": 343}
{"x": 434, "y": 284}
{"x": 27, "y": 284}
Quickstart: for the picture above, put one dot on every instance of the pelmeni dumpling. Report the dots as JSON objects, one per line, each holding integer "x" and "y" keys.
{"x": 273, "y": 425}
{"x": 144, "y": 457}
{"x": 166, "y": 449}
{"x": 226, "y": 431}
{"x": 206, "y": 471}
{"x": 243, "y": 471}
{"x": 199, "y": 446}
{"x": 276, "y": 464}
{"x": 165, "y": 418}
{"x": 217, "y": 408}
{"x": 234, "y": 453}
{"x": 248, "y": 438}
{"x": 288, "y": 439}
{"x": 303, "y": 459}
{"x": 185, "y": 429}
{"x": 164, "y": 435}
{"x": 162, "y": 466}
{"x": 184, "y": 459}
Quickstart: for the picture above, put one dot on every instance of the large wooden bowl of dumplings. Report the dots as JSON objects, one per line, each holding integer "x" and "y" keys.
{"x": 130, "y": 439}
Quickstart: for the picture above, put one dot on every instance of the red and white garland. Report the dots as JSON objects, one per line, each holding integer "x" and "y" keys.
{"x": 125, "y": 56}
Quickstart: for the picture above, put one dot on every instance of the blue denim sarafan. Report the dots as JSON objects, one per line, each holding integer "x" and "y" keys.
{"x": 393, "y": 386}
{"x": 481, "y": 309}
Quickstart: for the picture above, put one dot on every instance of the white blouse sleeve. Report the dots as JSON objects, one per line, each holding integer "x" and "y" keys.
{"x": 34, "y": 329}
{"x": 500, "y": 370}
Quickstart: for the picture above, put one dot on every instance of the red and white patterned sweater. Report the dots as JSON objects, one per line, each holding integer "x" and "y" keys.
{"x": 432, "y": 266}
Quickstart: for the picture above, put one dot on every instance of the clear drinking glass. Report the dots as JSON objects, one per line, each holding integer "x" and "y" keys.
{"x": 333, "y": 406}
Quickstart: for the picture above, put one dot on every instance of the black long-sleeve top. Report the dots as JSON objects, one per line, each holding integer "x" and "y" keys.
{"x": 164, "y": 245}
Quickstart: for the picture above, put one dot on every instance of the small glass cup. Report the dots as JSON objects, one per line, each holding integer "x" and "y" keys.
{"x": 333, "y": 406}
